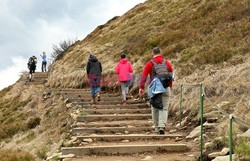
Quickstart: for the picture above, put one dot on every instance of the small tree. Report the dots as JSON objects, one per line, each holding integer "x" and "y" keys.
{"x": 59, "y": 50}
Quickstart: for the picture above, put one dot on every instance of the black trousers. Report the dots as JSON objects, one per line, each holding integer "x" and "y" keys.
{"x": 44, "y": 66}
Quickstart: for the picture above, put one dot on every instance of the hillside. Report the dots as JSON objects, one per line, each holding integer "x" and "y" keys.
{"x": 207, "y": 41}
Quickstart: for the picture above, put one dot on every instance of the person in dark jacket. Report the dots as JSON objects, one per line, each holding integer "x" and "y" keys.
{"x": 94, "y": 71}
{"x": 159, "y": 116}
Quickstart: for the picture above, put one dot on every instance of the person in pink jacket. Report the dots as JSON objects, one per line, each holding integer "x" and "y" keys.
{"x": 124, "y": 70}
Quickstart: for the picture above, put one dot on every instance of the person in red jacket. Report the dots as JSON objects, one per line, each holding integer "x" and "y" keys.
{"x": 159, "y": 116}
{"x": 124, "y": 70}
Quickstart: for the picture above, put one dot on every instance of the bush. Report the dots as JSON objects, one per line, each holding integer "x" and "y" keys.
{"x": 59, "y": 50}
{"x": 33, "y": 122}
{"x": 42, "y": 153}
{"x": 9, "y": 155}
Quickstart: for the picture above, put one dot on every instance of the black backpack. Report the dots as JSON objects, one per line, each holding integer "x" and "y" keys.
{"x": 160, "y": 70}
{"x": 32, "y": 61}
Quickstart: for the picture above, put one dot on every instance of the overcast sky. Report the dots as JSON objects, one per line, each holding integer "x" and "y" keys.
{"x": 28, "y": 27}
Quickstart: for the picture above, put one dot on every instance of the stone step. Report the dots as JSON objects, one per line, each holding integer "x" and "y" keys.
{"x": 90, "y": 118}
{"x": 88, "y": 94}
{"x": 127, "y": 123}
{"x": 88, "y": 97}
{"x": 124, "y": 149}
{"x": 87, "y": 101}
{"x": 35, "y": 83}
{"x": 99, "y": 106}
{"x": 130, "y": 137}
{"x": 117, "y": 111}
{"x": 112, "y": 130}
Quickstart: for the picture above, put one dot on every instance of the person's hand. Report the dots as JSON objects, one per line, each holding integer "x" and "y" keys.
{"x": 141, "y": 91}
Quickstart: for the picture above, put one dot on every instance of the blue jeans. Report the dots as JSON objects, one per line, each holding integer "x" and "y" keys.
{"x": 95, "y": 86}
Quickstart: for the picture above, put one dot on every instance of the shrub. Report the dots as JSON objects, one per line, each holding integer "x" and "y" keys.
{"x": 33, "y": 122}
{"x": 9, "y": 155}
{"x": 42, "y": 153}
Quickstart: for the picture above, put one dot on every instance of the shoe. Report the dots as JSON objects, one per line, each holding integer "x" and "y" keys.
{"x": 98, "y": 97}
{"x": 30, "y": 79}
{"x": 161, "y": 131}
{"x": 124, "y": 102}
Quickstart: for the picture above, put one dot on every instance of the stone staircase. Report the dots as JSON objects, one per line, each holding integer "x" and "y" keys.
{"x": 109, "y": 128}
{"x": 40, "y": 78}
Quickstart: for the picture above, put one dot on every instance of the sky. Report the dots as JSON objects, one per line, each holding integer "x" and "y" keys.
{"x": 29, "y": 27}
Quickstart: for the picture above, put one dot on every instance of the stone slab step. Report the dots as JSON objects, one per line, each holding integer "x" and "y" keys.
{"x": 117, "y": 111}
{"x": 112, "y": 130}
{"x": 84, "y": 94}
{"x": 113, "y": 117}
{"x": 35, "y": 83}
{"x": 124, "y": 149}
{"x": 84, "y": 101}
{"x": 128, "y": 137}
{"x": 127, "y": 123}
{"x": 128, "y": 106}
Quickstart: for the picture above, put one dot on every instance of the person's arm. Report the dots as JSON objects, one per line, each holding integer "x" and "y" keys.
{"x": 100, "y": 67}
{"x": 88, "y": 68}
{"x": 117, "y": 69}
{"x": 170, "y": 69}
{"x": 146, "y": 70}
{"x": 130, "y": 68}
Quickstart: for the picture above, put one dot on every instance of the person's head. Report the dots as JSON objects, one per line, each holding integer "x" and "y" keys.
{"x": 156, "y": 51}
{"x": 123, "y": 55}
{"x": 92, "y": 56}
{"x": 44, "y": 53}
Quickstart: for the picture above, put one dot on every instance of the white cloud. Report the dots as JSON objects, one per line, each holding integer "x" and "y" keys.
{"x": 28, "y": 27}
{"x": 12, "y": 74}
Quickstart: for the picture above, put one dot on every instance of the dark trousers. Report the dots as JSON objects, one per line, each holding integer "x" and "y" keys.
{"x": 44, "y": 66}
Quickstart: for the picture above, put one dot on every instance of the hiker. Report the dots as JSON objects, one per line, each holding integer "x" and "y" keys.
{"x": 44, "y": 61}
{"x": 124, "y": 70}
{"x": 32, "y": 67}
{"x": 94, "y": 70}
{"x": 160, "y": 71}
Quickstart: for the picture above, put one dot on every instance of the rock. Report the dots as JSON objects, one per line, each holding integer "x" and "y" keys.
{"x": 66, "y": 100}
{"x": 224, "y": 151}
{"x": 213, "y": 155}
{"x": 190, "y": 155}
{"x": 196, "y": 139}
{"x": 223, "y": 158}
{"x": 67, "y": 156}
{"x": 125, "y": 141}
{"x": 118, "y": 133}
{"x": 54, "y": 155}
{"x": 87, "y": 140}
{"x": 212, "y": 119}
{"x": 212, "y": 114}
{"x": 84, "y": 143}
{"x": 178, "y": 139}
{"x": 172, "y": 131}
{"x": 246, "y": 134}
{"x": 208, "y": 145}
{"x": 69, "y": 105}
{"x": 126, "y": 132}
{"x": 194, "y": 133}
{"x": 209, "y": 125}
{"x": 147, "y": 133}
{"x": 147, "y": 158}
{"x": 129, "y": 126}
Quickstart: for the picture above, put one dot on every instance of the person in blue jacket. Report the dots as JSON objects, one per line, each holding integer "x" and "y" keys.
{"x": 44, "y": 61}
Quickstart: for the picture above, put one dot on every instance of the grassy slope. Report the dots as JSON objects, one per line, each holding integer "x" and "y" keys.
{"x": 30, "y": 123}
{"x": 206, "y": 41}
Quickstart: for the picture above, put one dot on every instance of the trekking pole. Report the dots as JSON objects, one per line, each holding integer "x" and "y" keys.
{"x": 181, "y": 88}
{"x": 230, "y": 137}
{"x": 201, "y": 118}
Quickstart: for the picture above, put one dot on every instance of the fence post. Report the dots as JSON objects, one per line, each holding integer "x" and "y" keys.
{"x": 230, "y": 137}
{"x": 201, "y": 119}
{"x": 181, "y": 88}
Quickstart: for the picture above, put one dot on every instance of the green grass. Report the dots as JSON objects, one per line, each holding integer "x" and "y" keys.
{"x": 242, "y": 149}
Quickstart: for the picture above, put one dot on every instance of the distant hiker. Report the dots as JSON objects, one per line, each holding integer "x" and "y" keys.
{"x": 44, "y": 61}
{"x": 160, "y": 72}
{"x": 32, "y": 67}
{"x": 124, "y": 70}
{"x": 94, "y": 70}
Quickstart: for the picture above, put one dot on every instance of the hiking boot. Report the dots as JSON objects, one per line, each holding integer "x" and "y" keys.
{"x": 161, "y": 131}
{"x": 30, "y": 79}
{"x": 124, "y": 102}
{"x": 98, "y": 97}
